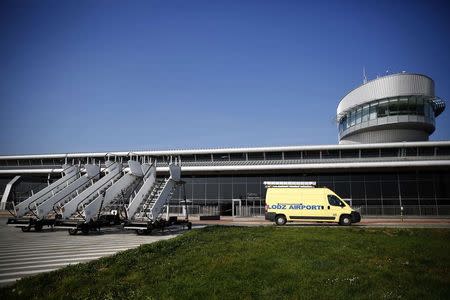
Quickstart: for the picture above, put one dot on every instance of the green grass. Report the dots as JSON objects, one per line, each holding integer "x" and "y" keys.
{"x": 261, "y": 262}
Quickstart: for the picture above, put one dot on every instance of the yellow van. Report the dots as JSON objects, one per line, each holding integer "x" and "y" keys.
{"x": 302, "y": 201}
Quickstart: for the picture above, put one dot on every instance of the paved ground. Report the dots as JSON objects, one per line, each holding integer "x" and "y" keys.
{"x": 24, "y": 254}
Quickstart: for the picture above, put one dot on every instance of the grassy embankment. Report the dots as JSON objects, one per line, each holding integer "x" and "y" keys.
{"x": 261, "y": 262}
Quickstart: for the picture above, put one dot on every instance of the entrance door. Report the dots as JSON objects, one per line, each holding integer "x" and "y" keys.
{"x": 236, "y": 207}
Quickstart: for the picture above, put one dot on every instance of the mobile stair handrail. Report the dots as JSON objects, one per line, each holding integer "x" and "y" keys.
{"x": 92, "y": 172}
{"x": 113, "y": 170}
{"x": 143, "y": 193}
{"x": 43, "y": 185}
{"x": 71, "y": 174}
{"x": 163, "y": 196}
{"x": 148, "y": 215}
{"x": 92, "y": 210}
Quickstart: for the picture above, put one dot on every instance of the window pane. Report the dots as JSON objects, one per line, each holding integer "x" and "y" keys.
{"x": 427, "y": 108}
{"x": 443, "y": 151}
{"x": 358, "y": 115}
{"x": 426, "y": 189}
{"x": 342, "y": 189}
{"x": 311, "y": 154}
{"x": 389, "y": 189}
{"x": 344, "y": 122}
{"x": 393, "y": 107}
{"x": 370, "y": 152}
{"x": 187, "y": 157}
{"x": 188, "y": 188}
{"x": 349, "y": 153}
{"x": 426, "y": 151}
{"x": 382, "y": 109}
{"x": 255, "y": 156}
{"x": 239, "y": 191}
{"x": 225, "y": 191}
{"x": 365, "y": 113}
{"x": 408, "y": 189}
{"x": 373, "y": 110}
{"x": 221, "y": 157}
{"x": 358, "y": 191}
{"x": 237, "y": 156}
{"x": 292, "y": 155}
{"x": 420, "y": 107}
{"x": 403, "y": 106}
{"x": 412, "y": 105}
{"x": 333, "y": 200}
{"x": 389, "y": 152}
{"x": 198, "y": 191}
{"x": 253, "y": 190}
{"x": 411, "y": 151}
{"x": 330, "y": 154}
{"x": 373, "y": 190}
{"x": 273, "y": 155}
{"x": 212, "y": 191}
{"x": 352, "y": 118}
{"x": 203, "y": 157}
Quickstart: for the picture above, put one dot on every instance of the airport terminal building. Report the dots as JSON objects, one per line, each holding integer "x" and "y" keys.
{"x": 383, "y": 161}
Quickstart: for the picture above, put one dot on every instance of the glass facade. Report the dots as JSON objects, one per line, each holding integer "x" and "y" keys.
{"x": 373, "y": 193}
{"x": 412, "y": 105}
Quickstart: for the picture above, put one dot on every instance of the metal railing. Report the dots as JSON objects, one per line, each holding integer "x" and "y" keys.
{"x": 386, "y": 210}
{"x": 299, "y": 160}
{"x": 308, "y": 161}
{"x": 211, "y": 210}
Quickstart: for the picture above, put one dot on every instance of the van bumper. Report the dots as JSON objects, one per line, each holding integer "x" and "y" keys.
{"x": 356, "y": 216}
{"x": 270, "y": 216}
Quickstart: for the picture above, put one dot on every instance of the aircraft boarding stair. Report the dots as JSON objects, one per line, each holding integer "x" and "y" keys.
{"x": 72, "y": 190}
{"x": 143, "y": 193}
{"x": 73, "y": 209}
{"x": 71, "y": 173}
{"x": 114, "y": 193}
{"x": 148, "y": 214}
{"x": 38, "y": 214}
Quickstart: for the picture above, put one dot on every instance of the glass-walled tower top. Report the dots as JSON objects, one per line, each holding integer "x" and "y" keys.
{"x": 395, "y": 108}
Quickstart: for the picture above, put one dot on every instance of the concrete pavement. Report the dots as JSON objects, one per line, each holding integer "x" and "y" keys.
{"x": 29, "y": 253}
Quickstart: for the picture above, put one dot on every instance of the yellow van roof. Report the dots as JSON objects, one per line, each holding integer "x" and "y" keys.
{"x": 289, "y": 184}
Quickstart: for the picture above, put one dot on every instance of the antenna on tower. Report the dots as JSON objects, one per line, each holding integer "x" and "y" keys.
{"x": 364, "y": 75}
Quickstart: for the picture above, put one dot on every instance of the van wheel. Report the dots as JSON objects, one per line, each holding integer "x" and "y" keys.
{"x": 280, "y": 220}
{"x": 345, "y": 220}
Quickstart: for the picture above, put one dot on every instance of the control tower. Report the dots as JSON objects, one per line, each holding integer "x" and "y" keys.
{"x": 393, "y": 108}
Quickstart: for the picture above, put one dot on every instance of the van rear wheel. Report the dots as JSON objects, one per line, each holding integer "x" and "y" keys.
{"x": 280, "y": 220}
{"x": 345, "y": 220}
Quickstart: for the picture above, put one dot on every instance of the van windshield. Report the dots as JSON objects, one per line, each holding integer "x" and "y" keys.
{"x": 334, "y": 201}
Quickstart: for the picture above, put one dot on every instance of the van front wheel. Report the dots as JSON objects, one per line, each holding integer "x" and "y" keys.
{"x": 345, "y": 220}
{"x": 280, "y": 220}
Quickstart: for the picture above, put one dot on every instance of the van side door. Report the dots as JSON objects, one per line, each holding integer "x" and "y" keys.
{"x": 335, "y": 206}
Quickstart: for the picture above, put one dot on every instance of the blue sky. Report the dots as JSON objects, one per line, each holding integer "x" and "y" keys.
{"x": 127, "y": 75}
